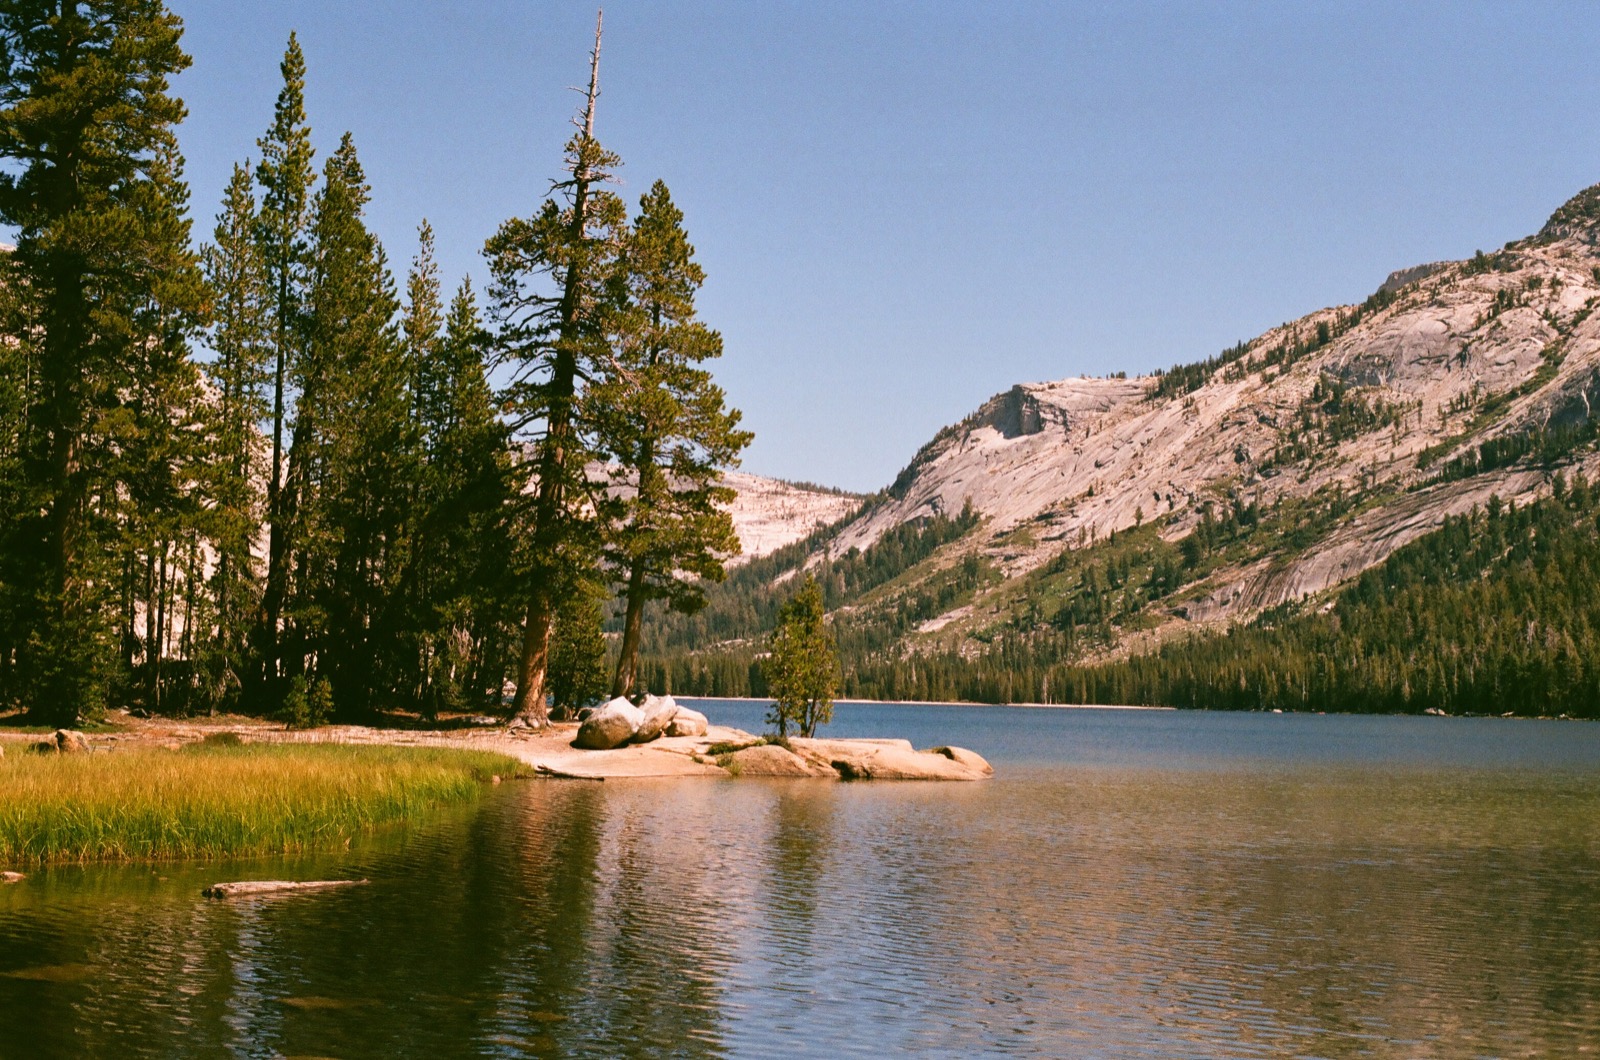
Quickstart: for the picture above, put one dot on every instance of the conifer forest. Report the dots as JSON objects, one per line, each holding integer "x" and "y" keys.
{"x": 252, "y": 469}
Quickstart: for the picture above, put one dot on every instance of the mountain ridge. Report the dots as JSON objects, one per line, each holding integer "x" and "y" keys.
{"x": 1121, "y": 513}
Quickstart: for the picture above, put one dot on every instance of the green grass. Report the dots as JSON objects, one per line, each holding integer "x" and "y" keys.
{"x": 218, "y": 801}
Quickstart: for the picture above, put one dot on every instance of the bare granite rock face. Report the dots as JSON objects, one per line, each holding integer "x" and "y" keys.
{"x": 1445, "y": 357}
{"x": 611, "y": 725}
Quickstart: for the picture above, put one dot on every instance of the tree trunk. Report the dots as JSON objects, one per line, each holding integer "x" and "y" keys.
{"x": 628, "y": 659}
{"x": 530, "y": 703}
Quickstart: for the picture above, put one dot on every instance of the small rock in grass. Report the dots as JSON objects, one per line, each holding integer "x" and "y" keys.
{"x": 12, "y": 877}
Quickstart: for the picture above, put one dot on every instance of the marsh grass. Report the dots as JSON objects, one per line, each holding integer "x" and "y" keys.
{"x": 217, "y": 800}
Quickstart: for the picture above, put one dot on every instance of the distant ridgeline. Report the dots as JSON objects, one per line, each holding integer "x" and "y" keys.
{"x": 1383, "y": 507}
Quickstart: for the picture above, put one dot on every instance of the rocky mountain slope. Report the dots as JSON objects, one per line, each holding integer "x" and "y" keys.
{"x": 1334, "y": 440}
{"x": 769, "y": 513}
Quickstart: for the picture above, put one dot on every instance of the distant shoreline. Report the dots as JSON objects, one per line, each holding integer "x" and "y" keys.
{"x": 937, "y": 703}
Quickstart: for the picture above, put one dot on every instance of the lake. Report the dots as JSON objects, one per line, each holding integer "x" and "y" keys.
{"x": 1132, "y": 884}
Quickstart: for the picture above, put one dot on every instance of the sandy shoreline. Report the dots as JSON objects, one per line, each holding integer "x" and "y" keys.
{"x": 550, "y": 753}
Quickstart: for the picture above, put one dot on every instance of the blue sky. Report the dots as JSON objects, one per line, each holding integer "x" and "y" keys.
{"x": 904, "y": 208}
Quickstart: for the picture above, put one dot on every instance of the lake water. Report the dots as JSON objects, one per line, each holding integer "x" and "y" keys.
{"x": 1133, "y": 884}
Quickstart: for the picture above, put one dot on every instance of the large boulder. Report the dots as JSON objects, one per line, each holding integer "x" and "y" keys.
{"x": 688, "y": 722}
{"x": 658, "y": 713}
{"x": 612, "y": 725}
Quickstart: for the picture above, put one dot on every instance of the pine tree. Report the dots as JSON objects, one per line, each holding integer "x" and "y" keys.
{"x": 347, "y": 456}
{"x": 95, "y": 194}
{"x": 463, "y": 549}
{"x": 549, "y": 293}
{"x": 285, "y": 175}
{"x": 242, "y": 378}
{"x": 669, "y": 432}
{"x": 577, "y": 653}
{"x": 801, "y": 671}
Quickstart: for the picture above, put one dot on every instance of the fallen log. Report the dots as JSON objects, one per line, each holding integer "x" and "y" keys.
{"x": 251, "y": 888}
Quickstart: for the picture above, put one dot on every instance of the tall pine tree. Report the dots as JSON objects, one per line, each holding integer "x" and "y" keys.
{"x": 94, "y": 191}
{"x": 282, "y": 232}
{"x": 241, "y": 372}
{"x": 348, "y": 452}
{"x": 669, "y": 432}
{"x": 551, "y": 273}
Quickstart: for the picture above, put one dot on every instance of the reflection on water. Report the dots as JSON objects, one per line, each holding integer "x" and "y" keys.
{"x": 1335, "y": 908}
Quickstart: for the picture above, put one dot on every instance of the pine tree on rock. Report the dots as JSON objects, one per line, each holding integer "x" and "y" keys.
{"x": 282, "y": 233}
{"x": 94, "y": 191}
{"x": 669, "y": 432}
{"x": 549, "y": 297}
{"x": 801, "y": 670}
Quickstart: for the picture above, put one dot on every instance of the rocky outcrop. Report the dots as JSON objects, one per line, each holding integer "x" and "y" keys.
{"x": 893, "y": 760}
{"x": 1365, "y": 403}
{"x": 770, "y": 760}
{"x": 768, "y": 513}
{"x": 611, "y": 725}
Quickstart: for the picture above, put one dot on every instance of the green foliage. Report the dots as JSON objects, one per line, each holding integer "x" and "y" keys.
{"x": 578, "y": 671}
{"x": 800, "y": 669}
{"x": 306, "y": 705}
{"x": 1492, "y": 613}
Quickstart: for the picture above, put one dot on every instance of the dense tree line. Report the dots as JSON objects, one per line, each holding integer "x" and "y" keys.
{"x": 261, "y": 475}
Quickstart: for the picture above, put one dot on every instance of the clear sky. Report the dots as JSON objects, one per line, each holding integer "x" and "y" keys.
{"x": 904, "y": 208}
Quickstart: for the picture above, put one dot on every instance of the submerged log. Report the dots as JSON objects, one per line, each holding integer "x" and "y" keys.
{"x": 251, "y": 888}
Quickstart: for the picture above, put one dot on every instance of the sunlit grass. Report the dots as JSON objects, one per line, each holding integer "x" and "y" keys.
{"x": 222, "y": 801}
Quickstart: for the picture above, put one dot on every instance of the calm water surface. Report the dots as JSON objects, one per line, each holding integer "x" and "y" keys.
{"x": 1134, "y": 884}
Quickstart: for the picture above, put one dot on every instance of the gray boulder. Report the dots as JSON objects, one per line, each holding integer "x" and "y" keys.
{"x": 688, "y": 723}
{"x": 609, "y": 726}
{"x": 658, "y": 714}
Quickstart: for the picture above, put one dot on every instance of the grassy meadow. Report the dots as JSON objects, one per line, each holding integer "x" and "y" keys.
{"x": 213, "y": 801}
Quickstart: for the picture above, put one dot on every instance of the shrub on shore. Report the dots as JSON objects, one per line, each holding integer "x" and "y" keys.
{"x": 216, "y": 800}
